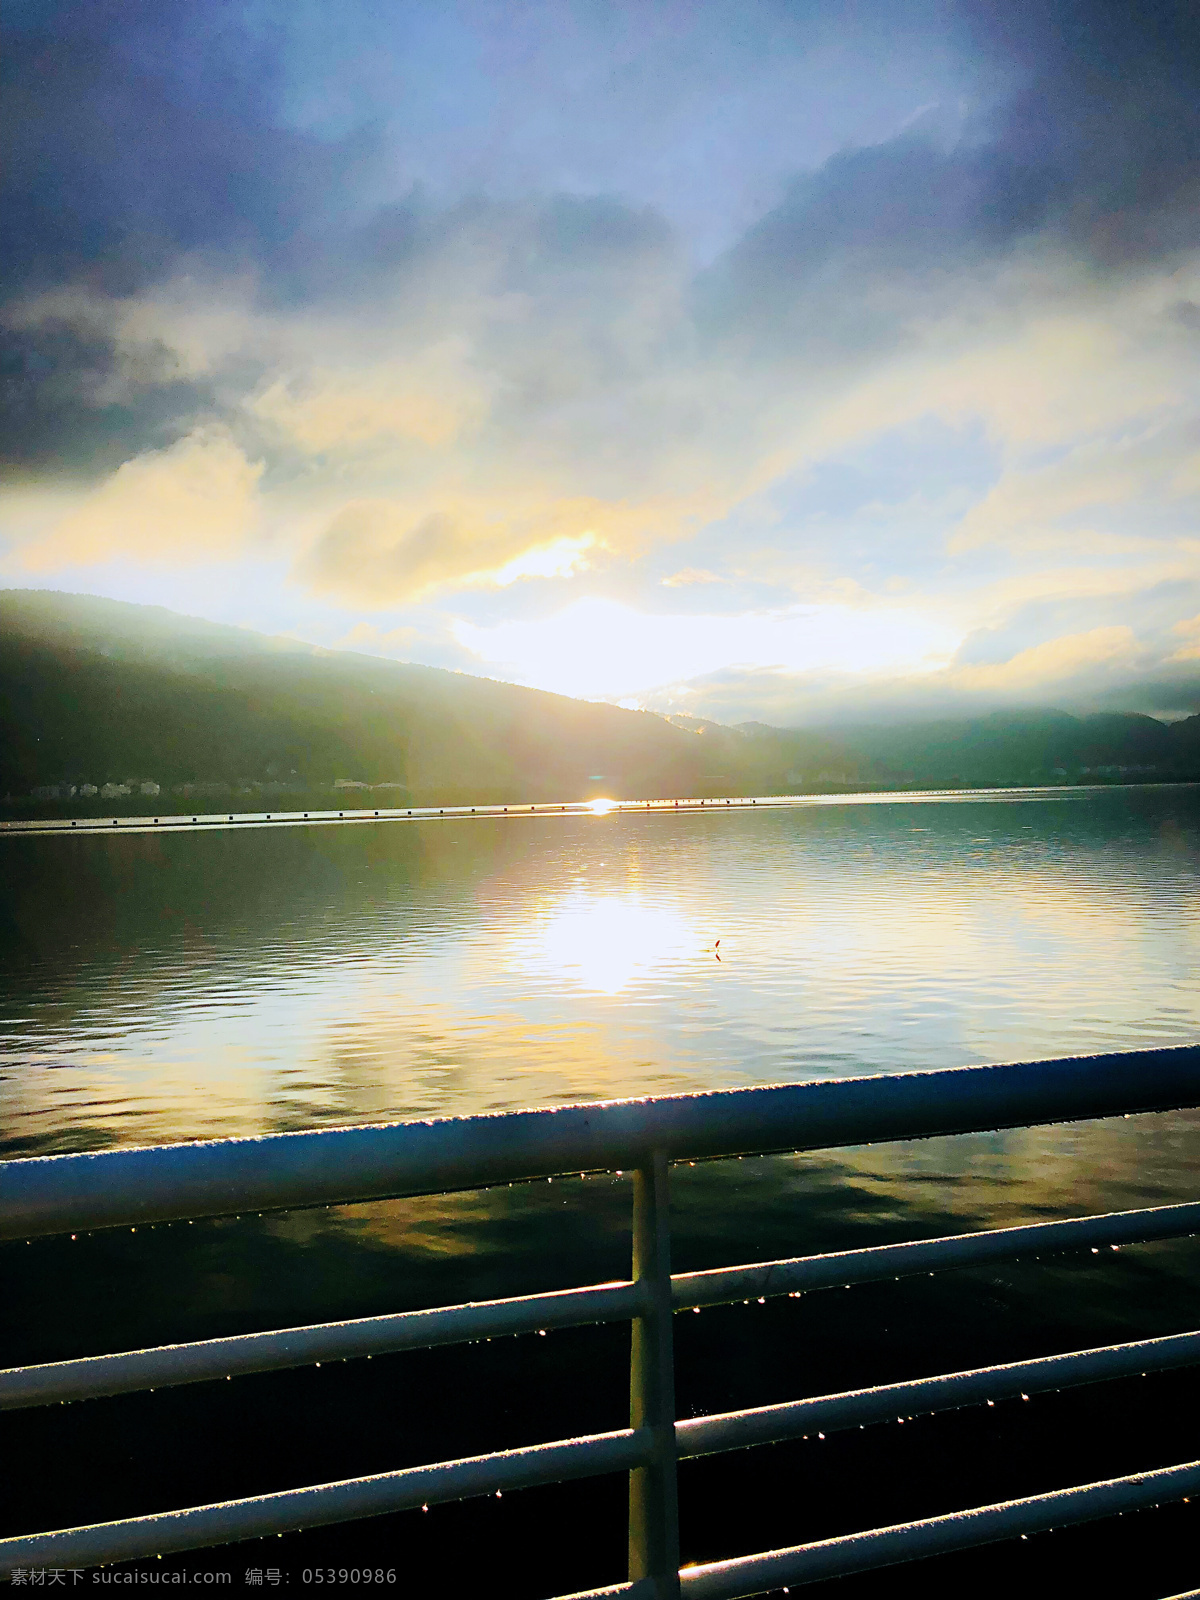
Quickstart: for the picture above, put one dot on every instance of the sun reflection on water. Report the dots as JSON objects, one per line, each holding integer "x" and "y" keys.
{"x": 601, "y": 943}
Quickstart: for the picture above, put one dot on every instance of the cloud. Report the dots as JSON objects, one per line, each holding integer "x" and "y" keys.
{"x": 447, "y": 337}
{"x": 687, "y": 576}
{"x": 180, "y": 328}
{"x": 1189, "y": 651}
{"x": 139, "y": 132}
{"x": 194, "y": 501}
{"x": 561, "y": 558}
{"x": 381, "y": 552}
{"x": 1055, "y": 663}
{"x": 1039, "y": 509}
{"x": 1113, "y": 666}
{"x": 430, "y": 396}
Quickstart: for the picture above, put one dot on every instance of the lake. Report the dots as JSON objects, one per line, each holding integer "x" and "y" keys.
{"x": 197, "y": 984}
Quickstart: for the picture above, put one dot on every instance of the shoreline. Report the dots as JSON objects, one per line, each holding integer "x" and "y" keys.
{"x": 199, "y": 821}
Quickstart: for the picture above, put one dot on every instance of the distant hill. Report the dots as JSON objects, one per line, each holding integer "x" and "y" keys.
{"x": 1026, "y": 747}
{"x": 999, "y": 750}
{"x": 101, "y": 692}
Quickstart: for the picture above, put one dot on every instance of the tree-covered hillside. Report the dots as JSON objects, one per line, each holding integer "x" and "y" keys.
{"x": 1027, "y": 747}
{"x": 100, "y": 692}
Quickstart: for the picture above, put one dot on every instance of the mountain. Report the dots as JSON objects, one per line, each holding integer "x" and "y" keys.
{"x": 1003, "y": 749}
{"x": 1025, "y": 747}
{"x": 102, "y": 692}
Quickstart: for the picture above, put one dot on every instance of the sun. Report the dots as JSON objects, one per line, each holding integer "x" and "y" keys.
{"x": 600, "y": 808}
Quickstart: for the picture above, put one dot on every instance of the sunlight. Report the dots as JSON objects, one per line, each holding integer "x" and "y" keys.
{"x": 559, "y": 559}
{"x": 601, "y": 944}
{"x": 602, "y": 649}
{"x": 601, "y": 808}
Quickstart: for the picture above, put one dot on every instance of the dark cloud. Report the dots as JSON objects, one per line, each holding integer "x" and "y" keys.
{"x": 898, "y": 210}
{"x": 139, "y": 142}
{"x": 66, "y": 409}
{"x": 1094, "y": 150}
{"x": 145, "y": 137}
{"x": 1111, "y": 112}
{"x": 139, "y": 130}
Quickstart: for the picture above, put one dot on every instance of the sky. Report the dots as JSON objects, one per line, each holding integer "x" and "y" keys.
{"x": 771, "y": 360}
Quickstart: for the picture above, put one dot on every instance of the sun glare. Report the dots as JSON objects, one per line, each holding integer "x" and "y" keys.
{"x": 600, "y": 648}
{"x": 562, "y": 558}
{"x": 601, "y": 808}
{"x": 601, "y": 943}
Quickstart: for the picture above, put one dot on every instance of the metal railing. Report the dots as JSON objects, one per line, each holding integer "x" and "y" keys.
{"x": 56, "y": 1194}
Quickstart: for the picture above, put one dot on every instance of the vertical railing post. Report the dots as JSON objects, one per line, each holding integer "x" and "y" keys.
{"x": 653, "y": 1489}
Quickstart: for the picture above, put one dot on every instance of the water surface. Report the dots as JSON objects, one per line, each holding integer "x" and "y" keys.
{"x": 196, "y": 984}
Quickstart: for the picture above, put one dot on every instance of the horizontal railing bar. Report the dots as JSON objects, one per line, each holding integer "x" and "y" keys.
{"x": 642, "y": 1589}
{"x": 164, "y": 1366}
{"x": 543, "y": 1464}
{"x": 56, "y": 1194}
{"x": 349, "y": 1500}
{"x": 596, "y": 1455}
{"x": 934, "y": 1536}
{"x": 721, "y": 1285}
{"x": 857, "y": 1408}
